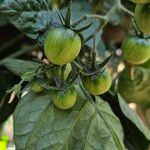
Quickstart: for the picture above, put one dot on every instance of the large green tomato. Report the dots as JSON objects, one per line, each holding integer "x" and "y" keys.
{"x": 56, "y": 72}
{"x": 36, "y": 87}
{"x": 98, "y": 85}
{"x": 62, "y": 46}
{"x": 64, "y": 99}
{"x": 137, "y": 88}
{"x": 142, "y": 17}
{"x": 140, "y": 1}
{"x": 136, "y": 50}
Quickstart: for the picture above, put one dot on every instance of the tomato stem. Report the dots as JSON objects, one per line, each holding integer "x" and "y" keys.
{"x": 126, "y": 10}
{"x": 94, "y": 54}
{"x": 136, "y": 30}
{"x": 68, "y": 16}
{"x": 86, "y": 17}
{"x": 62, "y": 74}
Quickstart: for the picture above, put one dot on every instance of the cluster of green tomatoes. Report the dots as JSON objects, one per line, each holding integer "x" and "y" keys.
{"x": 61, "y": 47}
{"x": 136, "y": 49}
{"x": 134, "y": 80}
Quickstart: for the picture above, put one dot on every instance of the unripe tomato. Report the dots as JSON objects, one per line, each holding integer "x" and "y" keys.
{"x": 136, "y": 50}
{"x": 142, "y": 17}
{"x": 64, "y": 99}
{"x": 56, "y": 72}
{"x": 62, "y": 46}
{"x": 36, "y": 87}
{"x": 98, "y": 85}
{"x": 140, "y": 1}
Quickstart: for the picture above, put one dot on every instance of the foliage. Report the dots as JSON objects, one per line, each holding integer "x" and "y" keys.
{"x": 94, "y": 122}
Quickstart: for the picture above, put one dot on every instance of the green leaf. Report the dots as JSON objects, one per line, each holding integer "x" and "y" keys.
{"x": 33, "y": 17}
{"x": 131, "y": 115}
{"x": 146, "y": 65}
{"x": 134, "y": 130}
{"x": 3, "y": 20}
{"x": 80, "y": 8}
{"x": 20, "y": 67}
{"x": 38, "y": 124}
{"x": 135, "y": 88}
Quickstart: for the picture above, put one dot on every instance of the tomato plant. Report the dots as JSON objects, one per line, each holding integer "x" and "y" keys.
{"x": 69, "y": 71}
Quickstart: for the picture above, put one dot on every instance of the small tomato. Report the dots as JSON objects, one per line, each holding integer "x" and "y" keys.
{"x": 64, "y": 99}
{"x": 36, "y": 87}
{"x": 98, "y": 85}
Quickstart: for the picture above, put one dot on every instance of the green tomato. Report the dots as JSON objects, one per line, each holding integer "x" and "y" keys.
{"x": 56, "y": 72}
{"x": 136, "y": 50}
{"x": 142, "y": 17}
{"x": 135, "y": 89}
{"x": 62, "y": 46}
{"x": 36, "y": 87}
{"x": 140, "y": 1}
{"x": 98, "y": 85}
{"x": 64, "y": 99}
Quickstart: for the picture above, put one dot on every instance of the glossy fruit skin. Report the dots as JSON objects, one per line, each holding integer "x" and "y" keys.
{"x": 36, "y": 87}
{"x": 135, "y": 90}
{"x": 142, "y": 17}
{"x": 56, "y": 72}
{"x": 98, "y": 85}
{"x": 140, "y": 1}
{"x": 136, "y": 50}
{"x": 62, "y": 46}
{"x": 64, "y": 99}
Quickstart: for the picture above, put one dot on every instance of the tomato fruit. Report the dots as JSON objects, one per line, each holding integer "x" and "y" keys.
{"x": 142, "y": 17}
{"x": 64, "y": 99}
{"x": 140, "y": 1}
{"x": 136, "y": 50}
{"x": 36, "y": 87}
{"x": 56, "y": 72}
{"x": 62, "y": 46}
{"x": 135, "y": 89}
{"x": 98, "y": 85}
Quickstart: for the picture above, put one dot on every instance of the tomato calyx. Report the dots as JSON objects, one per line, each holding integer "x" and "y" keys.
{"x": 56, "y": 77}
{"x": 92, "y": 67}
{"x": 66, "y": 22}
